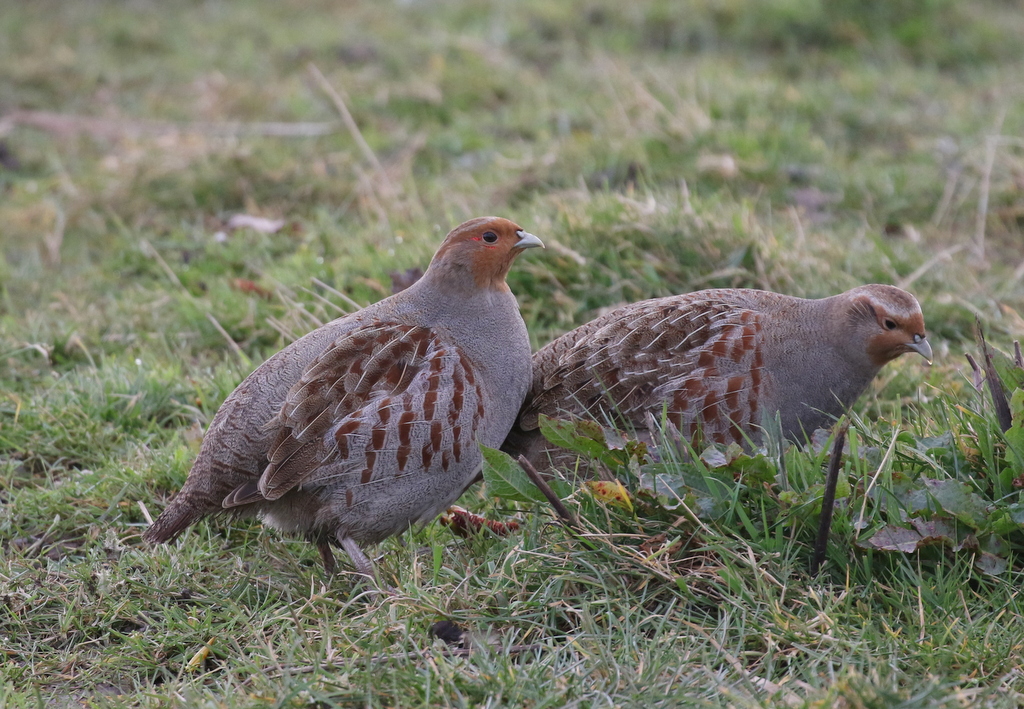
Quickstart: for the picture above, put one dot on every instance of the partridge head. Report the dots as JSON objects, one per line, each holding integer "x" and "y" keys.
{"x": 718, "y": 361}
{"x": 370, "y": 423}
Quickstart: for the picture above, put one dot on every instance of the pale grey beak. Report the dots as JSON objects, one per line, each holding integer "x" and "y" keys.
{"x": 921, "y": 346}
{"x": 527, "y": 240}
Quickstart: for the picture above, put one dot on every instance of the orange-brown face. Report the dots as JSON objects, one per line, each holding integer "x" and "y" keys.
{"x": 895, "y": 321}
{"x": 485, "y": 246}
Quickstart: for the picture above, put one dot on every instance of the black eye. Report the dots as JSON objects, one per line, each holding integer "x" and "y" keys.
{"x": 490, "y": 237}
{"x": 889, "y": 324}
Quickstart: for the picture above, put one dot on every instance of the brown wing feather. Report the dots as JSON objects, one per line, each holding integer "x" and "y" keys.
{"x": 386, "y": 397}
{"x": 691, "y": 352}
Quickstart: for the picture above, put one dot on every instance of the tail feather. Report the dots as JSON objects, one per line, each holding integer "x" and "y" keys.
{"x": 207, "y": 485}
{"x": 182, "y": 513}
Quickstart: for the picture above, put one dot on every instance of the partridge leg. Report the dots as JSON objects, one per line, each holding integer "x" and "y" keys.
{"x": 359, "y": 559}
{"x": 327, "y": 556}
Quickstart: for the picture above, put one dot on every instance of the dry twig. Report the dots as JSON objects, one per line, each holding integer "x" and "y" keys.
{"x": 561, "y": 510}
{"x": 828, "y": 500}
{"x": 995, "y": 384}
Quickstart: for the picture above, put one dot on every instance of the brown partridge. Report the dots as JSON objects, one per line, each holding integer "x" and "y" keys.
{"x": 370, "y": 423}
{"x": 718, "y": 361}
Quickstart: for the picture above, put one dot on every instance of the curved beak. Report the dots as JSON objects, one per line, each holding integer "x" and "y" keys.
{"x": 527, "y": 240}
{"x": 921, "y": 346}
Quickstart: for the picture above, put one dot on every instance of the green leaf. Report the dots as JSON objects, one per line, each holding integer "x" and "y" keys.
{"x": 907, "y": 438}
{"x": 592, "y": 439}
{"x": 1000, "y": 522}
{"x": 749, "y": 468}
{"x": 1015, "y": 434}
{"x": 1017, "y": 405}
{"x": 1007, "y": 369}
{"x": 754, "y": 468}
{"x": 957, "y": 499}
{"x": 505, "y": 479}
{"x": 714, "y": 458}
{"x": 580, "y": 436}
{"x": 817, "y": 491}
{"x": 1016, "y": 511}
{"x": 990, "y": 563}
{"x": 926, "y": 444}
{"x": 671, "y": 485}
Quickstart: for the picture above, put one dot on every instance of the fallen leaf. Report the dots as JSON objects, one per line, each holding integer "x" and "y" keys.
{"x": 990, "y": 563}
{"x": 464, "y": 523}
{"x": 611, "y": 492}
{"x": 894, "y": 539}
{"x": 199, "y": 659}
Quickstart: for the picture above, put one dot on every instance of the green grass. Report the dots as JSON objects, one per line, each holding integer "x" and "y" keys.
{"x": 656, "y": 147}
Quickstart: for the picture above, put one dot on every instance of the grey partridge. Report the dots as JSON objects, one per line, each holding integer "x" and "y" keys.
{"x": 370, "y": 423}
{"x": 715, "y": 362}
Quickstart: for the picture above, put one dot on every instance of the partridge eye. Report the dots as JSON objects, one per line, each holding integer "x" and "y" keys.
{"x": 490, "y": 237}
{"x": 889, "y": 324}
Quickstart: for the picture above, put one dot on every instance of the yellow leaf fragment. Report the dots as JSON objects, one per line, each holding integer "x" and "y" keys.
{"x": 199, "y": 658}
{"x": 610, "y": 492}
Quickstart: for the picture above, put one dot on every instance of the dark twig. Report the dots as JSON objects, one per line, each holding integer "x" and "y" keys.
{"x": 995, "y": 384}
{"x": 977, "y": 376}
{"x": 561, "y": 510}
{"x": 828, "y": 500}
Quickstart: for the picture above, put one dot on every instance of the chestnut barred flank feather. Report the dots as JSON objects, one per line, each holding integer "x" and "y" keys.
{"x": 716, "y": 362}
{"x": 370, "y": 424}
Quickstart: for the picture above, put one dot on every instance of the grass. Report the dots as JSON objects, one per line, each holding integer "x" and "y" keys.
{"x": 656, "y": 147}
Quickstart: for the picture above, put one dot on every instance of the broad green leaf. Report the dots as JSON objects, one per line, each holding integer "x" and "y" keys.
{"x": 792, "y": 498}
{"x": 751, "y": 468}
{"x": 957, "y": 499}
{"x": 817, "y": 491}
{"x": 1007, "y": 369}
{"x": 638, "y": 450}
{"x": 1001, "y": 522}
{"x": 990, "y": 563}
{"x": 590, "y": 438}
{"x": 1015, "y": 434}
{"x": 1016, "y": 511}
{"x": 1017, "y": 404}
{"x": 754, "y": 468}
{"x": 714, "y": 458}
{"x": 673, "y": 485}
{"x": 580, "y": 436}
{"x": 926, "y": 444}
{"x": 505, "y": 479}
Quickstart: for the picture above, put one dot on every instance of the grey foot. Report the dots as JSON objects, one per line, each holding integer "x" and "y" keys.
{"x": 362, "y": 563}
